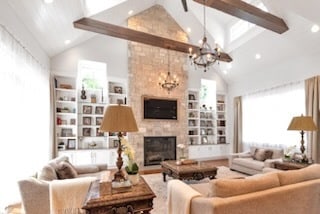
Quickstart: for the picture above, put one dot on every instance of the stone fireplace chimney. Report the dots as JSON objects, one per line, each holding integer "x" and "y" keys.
{"x": 145, "y": 65}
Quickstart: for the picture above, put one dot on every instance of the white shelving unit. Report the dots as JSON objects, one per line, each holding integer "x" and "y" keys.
{"x": 117, "y": 91}
{"x": 193, "y": 117}
{"x": 221, "y": 119}
{"x": 77, "y": 121}
{"x": 65, "y": 96}
{"x": 206, "y": 128}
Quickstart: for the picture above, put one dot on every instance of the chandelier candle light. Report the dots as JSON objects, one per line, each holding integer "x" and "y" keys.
{"x": 206, "y": 56}
{"x": 168, "y": 82}
{"x": 119, "y": 118}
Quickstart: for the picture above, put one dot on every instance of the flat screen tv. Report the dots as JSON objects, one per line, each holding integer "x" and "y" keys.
{"x": 160, "y": 109}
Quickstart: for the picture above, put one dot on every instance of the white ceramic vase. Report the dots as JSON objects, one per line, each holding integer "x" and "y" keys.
{"x": 134, "y": 179}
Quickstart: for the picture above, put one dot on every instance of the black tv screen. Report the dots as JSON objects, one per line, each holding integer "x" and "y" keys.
{"x": 160, "y": 109}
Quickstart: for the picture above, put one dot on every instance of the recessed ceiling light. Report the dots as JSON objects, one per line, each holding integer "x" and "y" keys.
{"x": 225, "y": 71}
{"x": 200, "y": 41}
{"x": 315, "y": 28}
{"x": 189, "y": 30}
{"x": 130, "y": 12}
{"x": 258, "y": 56}
{"x": 229, "y": 65}
{"x": 48, "y": 1}
{"x": 66, "y": 42}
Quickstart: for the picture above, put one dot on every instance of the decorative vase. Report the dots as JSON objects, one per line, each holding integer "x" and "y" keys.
{"x": 134, "y": 179}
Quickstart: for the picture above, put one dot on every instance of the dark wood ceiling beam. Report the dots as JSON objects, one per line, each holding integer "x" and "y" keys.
{"x": 248, "y": 13}
{"x": 137, "y": 36}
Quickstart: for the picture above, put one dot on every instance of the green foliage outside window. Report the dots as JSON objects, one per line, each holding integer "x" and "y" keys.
{"x": 90, "y": 83}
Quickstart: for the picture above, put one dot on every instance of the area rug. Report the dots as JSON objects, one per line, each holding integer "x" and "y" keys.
{"x": 155, "y": 181}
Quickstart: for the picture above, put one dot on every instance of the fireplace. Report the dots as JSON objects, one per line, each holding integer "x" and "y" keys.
{"x": 157, "y": 149}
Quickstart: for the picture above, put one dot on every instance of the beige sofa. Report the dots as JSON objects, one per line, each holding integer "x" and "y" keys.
{"x": 255, "y": 161}
{"x": 35, "y": 190}
{"x": 286, "y": 192}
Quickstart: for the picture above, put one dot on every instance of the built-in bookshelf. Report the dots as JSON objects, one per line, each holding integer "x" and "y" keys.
{"x": 221, "y": 119}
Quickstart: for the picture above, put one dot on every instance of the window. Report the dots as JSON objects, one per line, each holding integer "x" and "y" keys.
{"x": 92, "y": 75}
{"x": 241, "y": 27}
{"x": 208, "y": 93}
{"x": 267, "y": 114}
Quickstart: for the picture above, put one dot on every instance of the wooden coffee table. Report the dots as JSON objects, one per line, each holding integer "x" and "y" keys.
{"x": 138, "y": 200}
{"x": 195, "y": 171}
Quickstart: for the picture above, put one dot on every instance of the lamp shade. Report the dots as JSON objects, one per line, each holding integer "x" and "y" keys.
{"x": 304, "y": 123}
{"x": 118, "y": 118}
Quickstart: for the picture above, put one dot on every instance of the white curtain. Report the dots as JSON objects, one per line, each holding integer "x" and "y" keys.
{"x": 267, "y": 114}
{"x": 24, "y": 116}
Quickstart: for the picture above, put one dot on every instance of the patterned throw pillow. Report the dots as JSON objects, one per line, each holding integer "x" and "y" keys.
{"x": 262, "y": 154}
{"x": 66, "y": 170}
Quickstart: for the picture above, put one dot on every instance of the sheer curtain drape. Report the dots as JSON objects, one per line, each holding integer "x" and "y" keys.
{"x": 24, "y": 115}
{"x": 312, "y": 88}
{"x": 237, "y": 122}
{"x": 267, "y": 114}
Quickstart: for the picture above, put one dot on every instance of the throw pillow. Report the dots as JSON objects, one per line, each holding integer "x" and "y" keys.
{"x": 262, "y": 154}
{"x": 47, "y": 173}
{"x": 66, "y": 170}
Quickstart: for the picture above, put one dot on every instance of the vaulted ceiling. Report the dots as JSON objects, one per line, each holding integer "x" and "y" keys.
{"x": 52, "y": 24}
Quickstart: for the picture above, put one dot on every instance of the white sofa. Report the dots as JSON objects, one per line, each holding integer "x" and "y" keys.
{"x": 285, "y": 192}
{"x": 251, "y": 162}
{"x": 35, "y": 190}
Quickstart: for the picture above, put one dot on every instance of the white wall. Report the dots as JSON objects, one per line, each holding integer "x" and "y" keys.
{"x": 10, "y": 21}
{"x": 291, "y": 70}
{"x": 112, "y": 51}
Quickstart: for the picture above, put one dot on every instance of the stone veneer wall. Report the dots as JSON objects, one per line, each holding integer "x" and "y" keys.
{"x": 145, "y": 65}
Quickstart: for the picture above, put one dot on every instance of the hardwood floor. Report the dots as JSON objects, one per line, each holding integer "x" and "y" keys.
{"x": 157, "y": 169}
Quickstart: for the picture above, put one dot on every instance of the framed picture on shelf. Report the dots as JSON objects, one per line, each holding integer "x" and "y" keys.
{"x": 192, "y": 97}
{"x": 87, "y": 109}
{"x": 98, "y": 132}
{"x": 86, "y": 121}
{"x": 117, "y": 89}
{"x": 115, "y": 143}
{"x": 99, "y": 110}
{"x": 66, "y": 132}
{"x": 72, "y": 121}
{"x": 86, "y": 132}
{"x": 71, "y": 144}
{"x": 99, "y": 121}
{"x": 119, "y": 101}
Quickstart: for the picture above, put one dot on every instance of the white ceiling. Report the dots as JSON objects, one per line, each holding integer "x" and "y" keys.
{"x": 52, "y": 24}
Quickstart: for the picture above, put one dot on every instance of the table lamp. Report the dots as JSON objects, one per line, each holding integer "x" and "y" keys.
{"x": 119, "y": 118}
{"x": 302, "y": 123}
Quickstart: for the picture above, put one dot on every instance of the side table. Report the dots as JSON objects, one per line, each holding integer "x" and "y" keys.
{"x": 286, "y": 165}
{"x": 139, "y": 199}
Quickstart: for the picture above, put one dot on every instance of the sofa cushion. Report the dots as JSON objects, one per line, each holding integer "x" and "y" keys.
{"x": 47, "y": 173}
{"x": 249, "y": 163}
{"x": 231, "y": 187}
{"x": 295, "y": 176}
{"x": 65, "y": 170}
{"x": 262, "y": 154}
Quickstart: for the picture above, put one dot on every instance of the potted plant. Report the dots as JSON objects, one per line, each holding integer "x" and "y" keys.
{"x": 131, "y": 167}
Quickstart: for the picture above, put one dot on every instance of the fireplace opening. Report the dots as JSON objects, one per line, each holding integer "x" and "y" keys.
{"x": 157, "y": 149}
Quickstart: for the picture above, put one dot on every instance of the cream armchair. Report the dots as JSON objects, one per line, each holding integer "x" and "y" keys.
{"x": 256, "y": 160}
{"x": 36, "y": 191}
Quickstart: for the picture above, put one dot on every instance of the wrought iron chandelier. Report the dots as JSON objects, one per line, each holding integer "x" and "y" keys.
{"x": 167, "y": 81}
{"x": 206, "y": 56}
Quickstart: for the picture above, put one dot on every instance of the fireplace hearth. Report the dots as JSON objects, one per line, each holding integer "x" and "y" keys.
{"x": 157, "y": 149}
